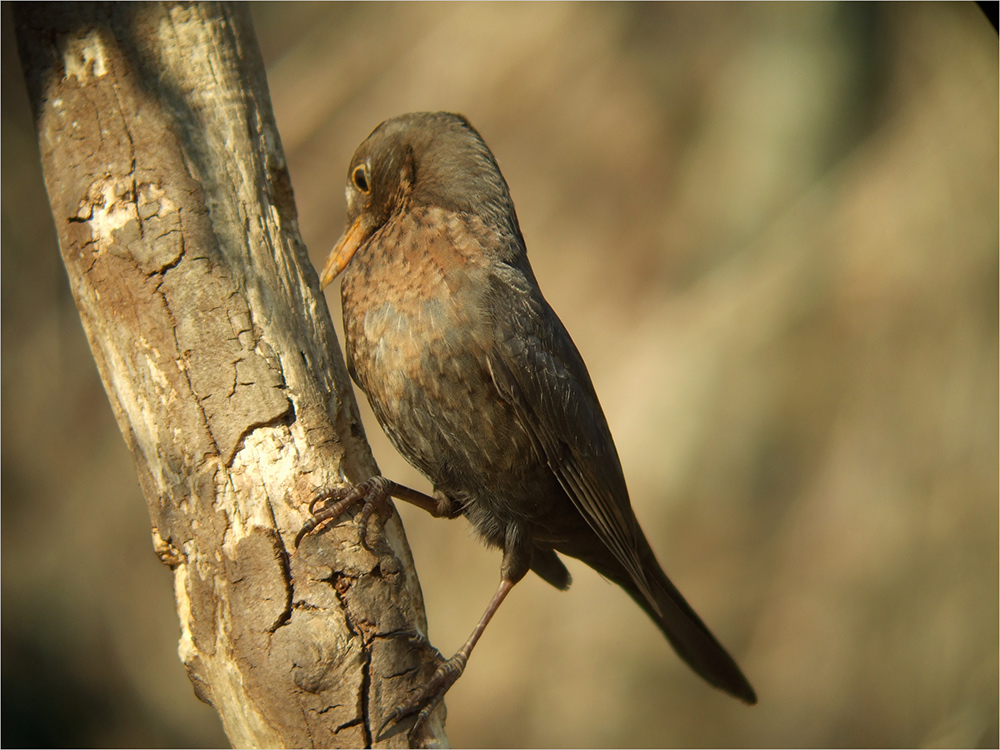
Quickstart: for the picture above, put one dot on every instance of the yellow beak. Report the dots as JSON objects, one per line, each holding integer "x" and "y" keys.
{"x": 343, "y": 251}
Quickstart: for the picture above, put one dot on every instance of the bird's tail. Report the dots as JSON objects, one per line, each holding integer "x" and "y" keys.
{"x": 689, "y": 636}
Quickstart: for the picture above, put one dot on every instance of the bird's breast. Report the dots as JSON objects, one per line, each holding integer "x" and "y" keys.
{"x": 412, "y": 302}
{"x": 419, "y": 333}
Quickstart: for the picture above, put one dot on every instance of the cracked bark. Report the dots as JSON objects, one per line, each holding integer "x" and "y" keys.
{"x": 177, "y": 226}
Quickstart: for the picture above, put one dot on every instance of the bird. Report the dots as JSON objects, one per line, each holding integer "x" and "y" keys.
{"x": 477, "y": 384}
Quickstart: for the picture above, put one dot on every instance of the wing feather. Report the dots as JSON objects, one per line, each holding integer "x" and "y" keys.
{"x": 538, "y": 370}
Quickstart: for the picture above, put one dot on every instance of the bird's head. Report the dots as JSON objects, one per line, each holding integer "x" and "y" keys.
{"x": 432, "y": 159}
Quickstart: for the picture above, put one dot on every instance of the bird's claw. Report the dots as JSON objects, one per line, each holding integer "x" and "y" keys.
{"x": 329, "y": 505}
{"x": 428, "y": 697}
{"x": 418, "y": 640}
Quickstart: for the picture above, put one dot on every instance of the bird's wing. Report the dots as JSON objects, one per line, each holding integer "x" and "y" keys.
{"x": 538, "y": 370}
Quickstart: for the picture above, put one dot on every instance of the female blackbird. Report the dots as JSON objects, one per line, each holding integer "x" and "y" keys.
{"x": 477, "y": 383}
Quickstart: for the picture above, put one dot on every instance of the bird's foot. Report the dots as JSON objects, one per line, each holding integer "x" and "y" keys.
{"x": 418, "y": 640}
{"x": 330, "y": 505}
{"x": 428, "y": 696}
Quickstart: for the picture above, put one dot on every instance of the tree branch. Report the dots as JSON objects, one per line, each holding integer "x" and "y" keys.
{"x": 177, "y": 225}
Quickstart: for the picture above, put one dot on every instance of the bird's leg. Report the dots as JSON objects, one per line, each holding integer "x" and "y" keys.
{"x": 374, "y": 493}
{"x": 445, "y": 675}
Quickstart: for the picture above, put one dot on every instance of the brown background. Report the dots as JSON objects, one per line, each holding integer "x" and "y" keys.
{"x": 773, "y": 233}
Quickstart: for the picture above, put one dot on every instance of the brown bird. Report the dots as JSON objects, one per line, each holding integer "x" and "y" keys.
{"x": 477, "y": 384}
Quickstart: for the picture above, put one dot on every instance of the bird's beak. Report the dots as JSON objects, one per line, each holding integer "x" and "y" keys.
{"x": 343, "y": 251}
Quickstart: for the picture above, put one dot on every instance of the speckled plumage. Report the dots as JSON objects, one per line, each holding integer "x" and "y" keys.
{"x": 476, "y": 381}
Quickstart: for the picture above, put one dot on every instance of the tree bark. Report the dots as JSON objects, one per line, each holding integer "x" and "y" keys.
{"x": 177, "y": 225}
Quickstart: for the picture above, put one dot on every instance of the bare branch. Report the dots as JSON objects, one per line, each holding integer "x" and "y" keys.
{"x": 177, "y": 226}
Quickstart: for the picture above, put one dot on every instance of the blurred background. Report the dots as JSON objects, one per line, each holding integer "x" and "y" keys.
{"x": 772, "y": 231}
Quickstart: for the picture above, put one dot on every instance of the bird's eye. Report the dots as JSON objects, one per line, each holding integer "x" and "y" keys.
{"x": 360, "y": 179}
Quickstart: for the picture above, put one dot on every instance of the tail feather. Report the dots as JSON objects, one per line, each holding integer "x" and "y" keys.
{"x": 689, "y": 636}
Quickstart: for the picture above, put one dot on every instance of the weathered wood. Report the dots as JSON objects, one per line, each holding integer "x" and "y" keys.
{"x": 178, "y": 229}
